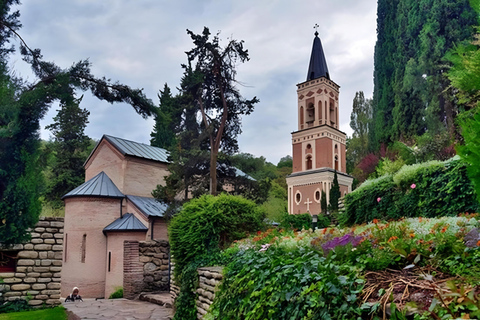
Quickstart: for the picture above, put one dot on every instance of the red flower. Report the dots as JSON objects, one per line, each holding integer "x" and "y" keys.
{"x": 375, "y": 221}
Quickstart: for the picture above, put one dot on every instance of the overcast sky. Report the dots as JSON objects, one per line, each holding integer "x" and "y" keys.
{"x": 142, "y": 44}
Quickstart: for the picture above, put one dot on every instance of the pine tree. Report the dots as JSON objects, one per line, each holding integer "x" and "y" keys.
{"x": 166, "y": 119}
{"x": 70, "y": 146}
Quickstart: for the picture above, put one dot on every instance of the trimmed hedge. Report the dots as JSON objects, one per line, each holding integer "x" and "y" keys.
{"x": 429, "y": 189}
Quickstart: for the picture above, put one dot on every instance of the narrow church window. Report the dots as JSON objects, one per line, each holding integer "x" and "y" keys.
{"x": 336, "y": 163}
{"x": 309, "y": 146}
{"x": 317, "y": 195}
{"x": 84, "y": 245}
{"x": 301, "y": 115}
{"x": 298, "y": 197}
{"x": 109, "y": 260}
{"x": 309, "y": 162}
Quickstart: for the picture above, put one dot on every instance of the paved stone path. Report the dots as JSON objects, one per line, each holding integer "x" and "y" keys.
{"x": 117, "y": 309}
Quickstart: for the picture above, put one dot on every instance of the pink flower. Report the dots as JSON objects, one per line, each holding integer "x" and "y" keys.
{"x": 379, "y": 199}
{"x": 413, "y": 186}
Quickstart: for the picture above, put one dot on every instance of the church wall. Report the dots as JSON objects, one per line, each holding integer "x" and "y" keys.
{"x": 143, "y": 176}
{"x": 343, "y": 164}
{"x": 108, "y": 160}
{"x": 160, "y": 230}
{"x": 85, "y": 218}
{"x": 324, "y": 153}
{"x": 114, "y": 269}
{"x": 307, "y": 195}
{"x": 297, "y": 158}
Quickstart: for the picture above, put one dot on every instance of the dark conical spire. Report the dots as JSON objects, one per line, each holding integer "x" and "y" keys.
{"x": 318, "y": 65}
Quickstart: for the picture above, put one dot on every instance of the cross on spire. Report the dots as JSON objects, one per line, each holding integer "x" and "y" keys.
{"x": 316, "y": 29}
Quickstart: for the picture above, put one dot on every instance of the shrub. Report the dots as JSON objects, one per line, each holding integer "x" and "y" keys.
{"x": 197, "y": 234}
{"x": 208, "y": 224}
{"x": 430, "y": 189}
{"x": 296, "y": 221}
{"x": 118, "y": 293}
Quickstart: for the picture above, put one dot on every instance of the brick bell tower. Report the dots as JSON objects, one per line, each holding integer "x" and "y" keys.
{"x": 318, "y": 145}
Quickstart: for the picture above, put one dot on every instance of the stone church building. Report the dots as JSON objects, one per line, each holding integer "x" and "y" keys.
{"x": 113, "y": 205}
{"x": 318, "y": 145}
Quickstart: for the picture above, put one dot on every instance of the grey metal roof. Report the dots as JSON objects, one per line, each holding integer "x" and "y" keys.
{"x": 318, "y": 65}
{"x": 128, "y": 222}
{"x": 98, "y": 186}
{"x": 240, "y": 173}
{"x": 148, "y": 206}
{"x": 135, "y": 149}
{"x": 138, "y": 149}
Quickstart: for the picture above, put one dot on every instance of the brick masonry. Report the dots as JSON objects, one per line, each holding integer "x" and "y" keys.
{"x": 39, "y": 264}
{"x": 146, "y": 267}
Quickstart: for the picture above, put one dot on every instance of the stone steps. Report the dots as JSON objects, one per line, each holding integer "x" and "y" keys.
{"x": 160, "y": 298}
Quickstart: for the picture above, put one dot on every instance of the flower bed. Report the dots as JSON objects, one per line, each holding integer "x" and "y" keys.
{"x": 426, "y": 266}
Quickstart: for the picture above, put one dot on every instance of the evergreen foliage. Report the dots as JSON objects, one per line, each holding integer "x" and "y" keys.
{"x": 334, "y": 194}
{"x": 323, "y": 202}
{"x": 22, "y": 105}
{"x": 71, "y": 146}
{"x": 411, "y": 94}
{"x": 214, "y": 94}
{"x": 166, "y": 119}
{"x": 430, "y": 189}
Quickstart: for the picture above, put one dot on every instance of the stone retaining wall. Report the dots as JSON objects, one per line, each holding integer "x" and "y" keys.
{"x": 38, "y": 266}
{"x": 208, "y": 280}
{"x": 146, "y": 267}
{"x": 154, "y": 257}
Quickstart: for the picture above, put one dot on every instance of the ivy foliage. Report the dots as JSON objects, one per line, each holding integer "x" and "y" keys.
{"x": 430, "y": 189}
{"x": 284, "y": 284}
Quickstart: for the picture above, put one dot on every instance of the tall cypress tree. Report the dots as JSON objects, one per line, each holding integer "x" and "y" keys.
{"x": 167, "y": 118}
{"x": 411, "y": 94}
{"x": 334, "y": 193}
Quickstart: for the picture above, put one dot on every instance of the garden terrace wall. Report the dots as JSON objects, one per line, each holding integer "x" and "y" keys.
{"x": 146, "y": 267}
{"x": 36, "y": 274}
{"x": 208, "y": 282}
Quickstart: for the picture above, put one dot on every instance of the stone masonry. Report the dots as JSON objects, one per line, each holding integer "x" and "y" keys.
{"x": 146, "y": 267}
{"x": 208, "y": 281}
{"x": 38, "y": 267}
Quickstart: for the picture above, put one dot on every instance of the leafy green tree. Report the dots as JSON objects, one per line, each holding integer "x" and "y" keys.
{"x": 218, "y": 100}
{"x": 334, "y": 194}
{"x": 71, "y": 145}
{"x": 22, "y": 106}
{"x": 360, "y": 118}
{"x": 286, "y": 161}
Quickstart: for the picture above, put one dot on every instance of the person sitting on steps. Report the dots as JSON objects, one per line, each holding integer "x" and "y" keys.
{"x": 74, "y": 296}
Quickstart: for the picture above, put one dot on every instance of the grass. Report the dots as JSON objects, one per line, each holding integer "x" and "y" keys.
{"x": 57, "y": 313}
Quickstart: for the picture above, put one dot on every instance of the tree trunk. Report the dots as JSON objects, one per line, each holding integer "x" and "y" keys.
{"x": 213, "y": 171}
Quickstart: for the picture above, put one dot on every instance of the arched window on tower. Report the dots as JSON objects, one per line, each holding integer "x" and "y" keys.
{"x": 310, "y": 115}
{"x": 320, "y": 117}
{"x": 309, "y": 162}
{"x": 336, "y": 163}
{"x": 301, "y": 118}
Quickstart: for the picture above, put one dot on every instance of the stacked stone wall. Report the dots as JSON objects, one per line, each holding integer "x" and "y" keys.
{"x": 146, "y": 267}
{"x": 174, "y": 289}
{"x": 208, "y": 281}
{"x": 38, "y": 268}
{"x": 154, "y": 257}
